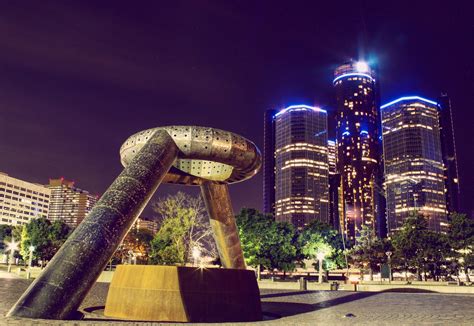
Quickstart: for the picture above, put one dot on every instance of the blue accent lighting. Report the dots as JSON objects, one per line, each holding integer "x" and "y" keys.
{"x": 346, "y": 133}
{"x": 353, "y": 74}
{"x": 364, "y": 132}
{"x": 409, "y": 98}
{"x": 300, "y": 106}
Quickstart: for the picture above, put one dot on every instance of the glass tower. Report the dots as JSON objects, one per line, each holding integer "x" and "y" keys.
{"x": 300, "y": 165}
{"x": 358, "y": 150}
{"x": 269, "y": 162}
{"x": 334, "y": 180}
{"x": 414, "y": 170}
{"x": 448, "y": 148}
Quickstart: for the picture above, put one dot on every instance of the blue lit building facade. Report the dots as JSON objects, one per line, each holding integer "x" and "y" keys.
{"x": 358, "y": 146}
{"x": 300, "y": 165}
{"x": 413, "y": 162}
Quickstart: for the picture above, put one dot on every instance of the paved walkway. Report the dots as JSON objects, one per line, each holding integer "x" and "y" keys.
{"x": 293, "y": 307}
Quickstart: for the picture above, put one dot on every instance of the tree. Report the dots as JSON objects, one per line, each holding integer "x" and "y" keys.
{"x": 45, "y": 236}
{"x": 461, "y": 239}
{"x": 368, "y": 251}
{"x": 435, "y": 251}
{"x": 184, "y": 225}
{"x": 408, "y": 242}
{"x": 265, "y": 242}
{"x": 279, "y": 250}
{"x": 5, "y": 235}
{"x": 420, "y": 249}
{"x": 320, "y": 237}
{"x": 252, "y": 226}
{"x": 138, "y": 242}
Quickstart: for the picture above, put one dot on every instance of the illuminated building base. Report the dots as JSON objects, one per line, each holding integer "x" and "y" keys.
{"x": 183, "y": 294}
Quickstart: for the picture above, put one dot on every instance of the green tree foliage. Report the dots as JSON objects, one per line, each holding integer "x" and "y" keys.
{"x": 5, "y": 235}
{"x": 253, "y": 227}
{"x": 368, "y": 251}
{"x": 320, "y": 237}
{"x": 461, "y": 239}
{"x": 45, "y": 236}
{"x": 184, "y": 224}
{"x": 408, "y": 242}
{"x": 419, "y": 249}
{"x": 265, "y": 242}
{"x": 279, "y": 248}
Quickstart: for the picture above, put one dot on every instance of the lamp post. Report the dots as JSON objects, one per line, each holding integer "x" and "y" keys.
{"x": 320, "y": 257}
{"x": 30, "y": 262}
{"x": 389, "y": 255}
{"x": 12, "y": 247}
{"x": 196, "y": 255}
{"x": 31, "y": 249}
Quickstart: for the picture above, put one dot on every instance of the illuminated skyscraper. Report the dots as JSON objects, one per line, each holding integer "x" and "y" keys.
{"x": 68, "y": 203}
{"x": 300, "y": 165}
{"x": 269, "y": 162}
{"x": 332, "y": 154}
{"x": 414, "y": 171}
{"x": 334, "y": 180}
{"x": 358, "y": 145}
{"x": 448, "y": 148}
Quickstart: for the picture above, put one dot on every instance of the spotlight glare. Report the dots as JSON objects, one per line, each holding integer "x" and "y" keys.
{"x": 362, "y": 66}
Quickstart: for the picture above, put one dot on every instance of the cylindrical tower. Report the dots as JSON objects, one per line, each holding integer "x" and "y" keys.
{"x": 357, "y": 144}
{"x": 414, "y": 171}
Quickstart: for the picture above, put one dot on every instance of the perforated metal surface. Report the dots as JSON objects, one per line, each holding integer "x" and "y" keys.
{"x": 205, "y": 154}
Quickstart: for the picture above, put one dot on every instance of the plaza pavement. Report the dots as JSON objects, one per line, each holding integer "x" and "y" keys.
{"x": 287, "y": 307}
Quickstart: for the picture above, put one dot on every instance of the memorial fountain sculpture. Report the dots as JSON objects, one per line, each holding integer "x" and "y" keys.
{"x": 187, "y": 155}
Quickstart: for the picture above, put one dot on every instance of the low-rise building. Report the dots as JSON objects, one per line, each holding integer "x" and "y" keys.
{"x": 22, "y": 201}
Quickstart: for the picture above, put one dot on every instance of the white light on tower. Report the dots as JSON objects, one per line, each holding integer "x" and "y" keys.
{"x": 362, "y": 66}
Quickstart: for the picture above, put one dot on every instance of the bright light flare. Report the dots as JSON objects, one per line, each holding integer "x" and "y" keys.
{"x": 362, "y": 66}
{"x": 196, "y": 253}
{"x": 12, "y": 246}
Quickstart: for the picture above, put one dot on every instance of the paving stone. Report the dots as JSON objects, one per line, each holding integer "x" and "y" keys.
{"x": 283, "y": 307}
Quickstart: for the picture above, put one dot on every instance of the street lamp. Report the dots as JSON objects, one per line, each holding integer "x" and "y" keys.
{"x": 196, "y": 255}
{"x": 31, "y": 249}
{"x": 320, "y": 255}
{"x": 30, "y": 262}
{"x": 389, "y": 255}
{"x": 12, "y": 247}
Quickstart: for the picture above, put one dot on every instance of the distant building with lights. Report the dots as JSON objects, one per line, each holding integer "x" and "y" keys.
{"x": 69, "y": 203}
{"x": 413, "y": 162}
{"x": 448, "y": 148}
{"x": 334, "y": 180}
{"x": 300, "y": 165}
{"x": 269, "y": 162}
{"x": 332, "y": 156}
{"x": 358, "y": 146}
{"x": 22, "y": 201}
{"x": 141, "y": 224}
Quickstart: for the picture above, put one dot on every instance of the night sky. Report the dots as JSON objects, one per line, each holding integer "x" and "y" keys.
{"x": 78, "y": 78}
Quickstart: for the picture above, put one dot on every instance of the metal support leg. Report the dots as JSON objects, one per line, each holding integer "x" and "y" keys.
{"x": 66, "y": 280}
{"x": 217, "y": 199}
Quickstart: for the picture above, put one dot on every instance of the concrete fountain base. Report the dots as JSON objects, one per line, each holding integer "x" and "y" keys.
{"x": 183, "y": 294}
